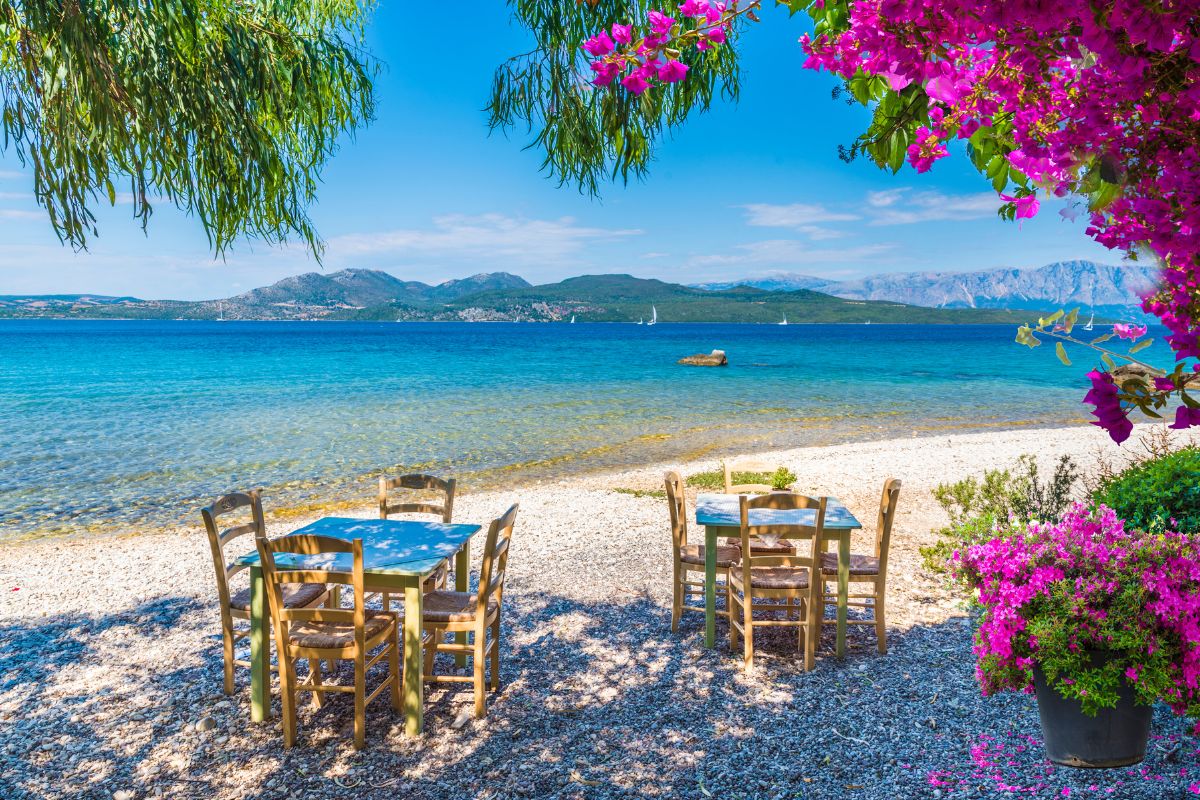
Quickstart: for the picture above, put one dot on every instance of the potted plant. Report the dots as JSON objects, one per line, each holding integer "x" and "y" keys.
{"x": 1098, "y": 621}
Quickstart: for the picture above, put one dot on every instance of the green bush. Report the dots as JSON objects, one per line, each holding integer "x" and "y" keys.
{"x": 782, "y": 478}
{"x": 975, "y": 507}
{"x": 1149, "y": 494}
{"x": 714, "y": 479}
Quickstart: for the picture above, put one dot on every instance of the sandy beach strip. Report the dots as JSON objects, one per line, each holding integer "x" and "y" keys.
{"x": 110, "y": 656}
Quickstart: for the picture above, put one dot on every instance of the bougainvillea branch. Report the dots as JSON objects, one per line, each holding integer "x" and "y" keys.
{"x": 1098, "y": 101}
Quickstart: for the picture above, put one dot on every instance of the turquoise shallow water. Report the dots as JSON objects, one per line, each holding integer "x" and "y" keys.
{"x": 124, "y": 425}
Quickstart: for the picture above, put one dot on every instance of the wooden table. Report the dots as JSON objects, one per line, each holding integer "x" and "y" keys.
{"x": 720, "y": 514}
{"x": 397, "y": 556}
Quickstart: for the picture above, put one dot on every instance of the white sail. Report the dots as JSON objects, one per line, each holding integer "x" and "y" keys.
{"x": 572, "y": 319}
{"x": 784, "y": 320}
{"x": 653, "y": 316}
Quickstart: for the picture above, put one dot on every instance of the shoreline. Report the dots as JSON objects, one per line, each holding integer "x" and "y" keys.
{"x": 512, "y": 477}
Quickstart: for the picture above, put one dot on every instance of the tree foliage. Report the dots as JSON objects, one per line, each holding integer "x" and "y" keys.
{"x": 227, "y": 110}
{"x": 586, "y": 135}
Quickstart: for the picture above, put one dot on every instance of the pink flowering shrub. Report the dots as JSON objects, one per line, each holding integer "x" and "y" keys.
{"x": 1059, "y": 595}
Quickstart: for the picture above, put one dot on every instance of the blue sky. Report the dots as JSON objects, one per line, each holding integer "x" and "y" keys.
{"x": 426, "y": 194}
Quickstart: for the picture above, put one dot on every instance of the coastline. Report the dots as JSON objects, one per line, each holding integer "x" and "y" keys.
{"x": 707, "y": 455}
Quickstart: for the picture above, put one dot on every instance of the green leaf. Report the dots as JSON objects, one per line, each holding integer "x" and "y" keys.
{"x": 1069, "y": 321}
{"x": 1061, "y": 352}
{"x": 1102, "y": 338}
{"x": 1140, "y": 346}
{"x": 1108, "y": 361}
{"x": 1026, "y": 337}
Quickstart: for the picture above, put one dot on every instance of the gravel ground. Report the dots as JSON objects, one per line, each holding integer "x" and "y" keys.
{"x": 110, "y": 672}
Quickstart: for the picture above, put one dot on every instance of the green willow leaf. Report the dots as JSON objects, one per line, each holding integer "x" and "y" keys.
{"x": 1026, "y": 337}
{"x": 1107, "y": 359}
{"x": 228, "y": 111}
{"x": 1102, "y": 338}
{"x": 1061, "y": 352}
{"x": 1140, "y": 346}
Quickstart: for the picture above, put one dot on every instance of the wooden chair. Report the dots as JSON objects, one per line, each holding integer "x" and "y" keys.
{"x": 333, "y": 634}
{"x": 793, "y": 579}
{"x": 237, "y": 605}
{"x": 687, "y": 558}
{"x": 742, "y": 488}
{"x": 869, "y": 569}
{"x": 781, "y": 548}
{"x": 473, "y": 613}
{"x": 445, "y": 509}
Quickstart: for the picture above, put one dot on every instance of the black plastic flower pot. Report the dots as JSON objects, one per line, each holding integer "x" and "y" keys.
{"x": 1115, "y": 737}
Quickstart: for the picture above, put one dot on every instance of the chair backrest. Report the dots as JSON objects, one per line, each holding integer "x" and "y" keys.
{"x": 495, "y": 561}
{"x": 883, "y": 525}
{"x": 218, "y": 539}
{"x": 677, "y": 503}
{"x": 742, "y": 488}
{"x": 783, "y": 501}
{"x": 419, "y": 483}
{"x": 313, "y": 559}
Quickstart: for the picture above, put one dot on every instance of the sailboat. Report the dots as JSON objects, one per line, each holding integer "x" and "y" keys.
{"x": 641, "y": 321}
{"x": 1091, "y": 319}
{"x": 572, "y": 319}
{"x": 784, "y": 320}
{"x": 653, "y": 316}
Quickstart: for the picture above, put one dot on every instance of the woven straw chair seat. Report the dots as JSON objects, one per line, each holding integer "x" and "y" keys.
{"x": 295, "y": 595}
{"x": 694, "y": 554}
{"x": 772, "y": 578}
{"x": 760, "y": 548}
{"x": 331, "y": 635}
{"x": 445, "y": 607}
{"x": 859, "y": 565}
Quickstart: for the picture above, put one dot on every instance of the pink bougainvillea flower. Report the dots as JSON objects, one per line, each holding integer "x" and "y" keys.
{"x": 599, "y": 45}
{"x": 716, "y": 36}
{"x": 1108, "y": 411}
{"x": 1027, "y": 206}
{"x": 635, "y": 82}
{"x": 1186, "y": 418}
{"x": 605, "y": 71}
{"x": 1131, "y": 332}
{"x": 672, "y": 71}
{"x": 925, "y": 150}
{"x": 694, "y": 8}
{"x": 660, "y": 23}
{"x": 622, "y": 33}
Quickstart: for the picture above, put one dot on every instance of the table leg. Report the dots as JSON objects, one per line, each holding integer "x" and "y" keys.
{"x": 843, "y": 582}
{"x": 462, "y": 583}
{"x": 710, "y": 586}
{"x": 260, "y": 649}
{"x": 414, "y": 683}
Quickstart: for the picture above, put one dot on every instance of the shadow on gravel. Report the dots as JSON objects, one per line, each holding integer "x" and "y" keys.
{"x": 599, "y": 700}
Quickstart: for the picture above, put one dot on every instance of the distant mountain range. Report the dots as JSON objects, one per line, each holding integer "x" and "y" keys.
{"x": 1109, "y": 291}
{"x": 364, "y": 294}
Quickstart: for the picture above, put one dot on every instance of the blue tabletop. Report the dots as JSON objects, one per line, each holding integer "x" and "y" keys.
{"x": 722, "y": 510}
{"x": 390, "y": 546}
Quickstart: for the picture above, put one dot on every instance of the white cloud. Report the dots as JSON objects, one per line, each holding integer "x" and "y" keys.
{"x": 788, "y": 253}
{"x": 17, "y": 213}
{"x": 495, "y": 236}
{"x": 905, "y": 207}
{"x": 793, "y": 215}
{"x": 9, "y": 175}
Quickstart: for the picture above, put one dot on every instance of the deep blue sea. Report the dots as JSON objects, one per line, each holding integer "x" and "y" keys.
{"x": 119, "y": 425}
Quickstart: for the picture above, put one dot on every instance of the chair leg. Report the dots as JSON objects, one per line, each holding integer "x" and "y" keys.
{"x": 496, "y": 654}
{"x": 287, "y": 698}
{"x": 748, "y": 632}
{"x": 227, "y": 642}
{"x": 386, "y": 601}
{"x": 360, "y": 702}
{"x": 478, "y": 661}
{"x": 394, "y": 669}
{"x": 813, "y": 621}
{"x": 436, "y": 636}
{"x": 880, "y": 621}
{"x": 314, "y": 667}
{"x": 730, "y": 605}
{"x": 676, "y": 599}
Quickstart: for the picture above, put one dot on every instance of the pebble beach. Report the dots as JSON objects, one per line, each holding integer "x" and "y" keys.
{"x": 110, "y": 668}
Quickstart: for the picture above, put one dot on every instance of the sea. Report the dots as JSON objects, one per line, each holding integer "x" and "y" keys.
{"x": 123, "y": 426}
